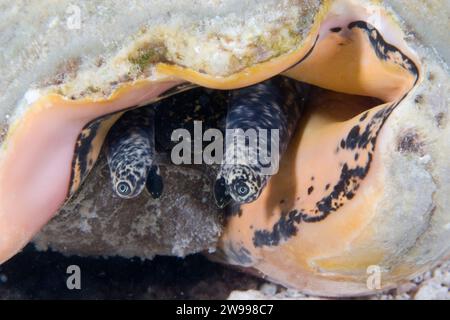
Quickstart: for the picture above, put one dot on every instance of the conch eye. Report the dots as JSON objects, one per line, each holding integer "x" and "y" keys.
{"x": 241, "y": 189}
{"x": 123, "y": 188}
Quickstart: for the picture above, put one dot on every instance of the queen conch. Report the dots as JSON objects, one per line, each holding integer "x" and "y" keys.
{"x": 363, "y": 181}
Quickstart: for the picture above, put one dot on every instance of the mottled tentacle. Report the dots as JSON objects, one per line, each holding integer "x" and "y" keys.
{"x": 130, "y": 150}
{"x": 273, "y": 104}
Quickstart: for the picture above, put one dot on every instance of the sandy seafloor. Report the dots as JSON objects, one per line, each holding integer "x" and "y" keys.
{"x": 42, "y": 275}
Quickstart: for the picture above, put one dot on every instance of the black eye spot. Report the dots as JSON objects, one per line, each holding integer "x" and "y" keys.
{"x": 124, "y": 189}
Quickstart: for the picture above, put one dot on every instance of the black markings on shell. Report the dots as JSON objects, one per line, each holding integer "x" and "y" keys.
{"x": 361, "y": 138}
{"x": 385, "y": 51}
{"x": 364, "y": 116}
{"x": 83, "y": 147}
{"x": 238, "y": 254}
{"x": 86, "y": 152}
{"x": 281, "y": 231}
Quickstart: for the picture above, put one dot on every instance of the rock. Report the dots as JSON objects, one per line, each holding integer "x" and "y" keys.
{"x": 437, "y": 286}
{"x": 263, "y": 294}
{"x": 97, "y": 222}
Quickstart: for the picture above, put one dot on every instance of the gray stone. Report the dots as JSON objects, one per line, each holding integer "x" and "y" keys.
{"x": 97, "y": 222}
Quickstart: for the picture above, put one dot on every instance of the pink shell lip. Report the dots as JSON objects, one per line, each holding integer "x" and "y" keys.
{"x": 27, "y": 192}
